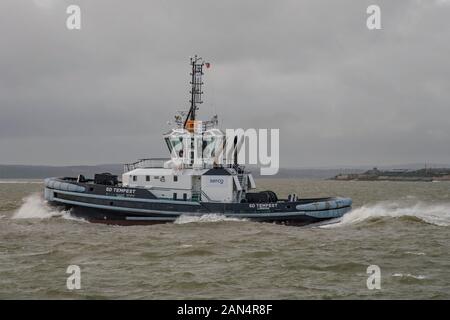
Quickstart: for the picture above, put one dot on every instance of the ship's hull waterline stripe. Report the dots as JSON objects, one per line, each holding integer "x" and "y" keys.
{"x": 88, "y": 195}
{"x": 125, "y": 209}
{"x": 274, "y": 215}
{"x": 150, "y": 218}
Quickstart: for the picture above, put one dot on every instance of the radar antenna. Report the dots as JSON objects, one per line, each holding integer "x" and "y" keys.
{"x": 196, "y": 92}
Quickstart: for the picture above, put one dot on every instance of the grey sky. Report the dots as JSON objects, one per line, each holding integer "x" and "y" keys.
{"x": 340, "y": 94}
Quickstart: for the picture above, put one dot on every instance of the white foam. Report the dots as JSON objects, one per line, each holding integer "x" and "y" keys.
{"x": 184, "y": 246}
{"x": 35, "y": 207}
{"x": 415, "y": 253}
{"x": 408, "y": 275}
{"x": 204, "y": 218}
{"x": 437, "y": 214}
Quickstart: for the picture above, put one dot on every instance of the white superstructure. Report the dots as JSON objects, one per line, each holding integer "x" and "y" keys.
{"x": 198, "y": 169}
{"x": 209, "y": 185}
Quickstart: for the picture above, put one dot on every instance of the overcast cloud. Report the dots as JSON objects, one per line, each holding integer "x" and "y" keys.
{"x": 340, "y": 93}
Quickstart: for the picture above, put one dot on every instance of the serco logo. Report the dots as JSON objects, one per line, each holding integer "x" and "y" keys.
{"x": 216, "y": 180}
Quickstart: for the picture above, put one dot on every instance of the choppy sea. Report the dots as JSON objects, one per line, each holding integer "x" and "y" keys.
{"x": 401, "y": 227}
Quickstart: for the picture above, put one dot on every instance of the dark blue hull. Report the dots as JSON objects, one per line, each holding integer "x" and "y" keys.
{"x": 96, "y": 203}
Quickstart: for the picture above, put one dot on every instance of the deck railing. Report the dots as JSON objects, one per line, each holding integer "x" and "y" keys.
{"x": 145, "y": 163}
{"x": 159, "y": 163}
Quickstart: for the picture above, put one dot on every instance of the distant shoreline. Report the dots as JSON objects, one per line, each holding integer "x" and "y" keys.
{"x": 421, "y": 175}
{"x": 20, "y": 180}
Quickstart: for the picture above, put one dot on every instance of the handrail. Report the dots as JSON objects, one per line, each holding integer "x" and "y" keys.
{"x": 145, "y": 163}
{"x": 159, "y": 163}
{"x": 206, "y": 196}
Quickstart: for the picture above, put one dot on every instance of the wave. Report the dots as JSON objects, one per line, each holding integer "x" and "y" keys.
{"x": 408, "y": 275}
{"x": 35, "y": 207}
{"x": 204, "y": 218}
{"x": 436, "y": 214}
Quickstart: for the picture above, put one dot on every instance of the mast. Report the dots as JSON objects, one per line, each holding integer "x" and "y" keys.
{"x": 196, "y": 92}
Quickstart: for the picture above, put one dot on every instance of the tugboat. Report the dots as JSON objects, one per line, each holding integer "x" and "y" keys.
{"x": 160, "y": 190}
